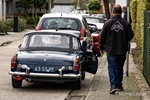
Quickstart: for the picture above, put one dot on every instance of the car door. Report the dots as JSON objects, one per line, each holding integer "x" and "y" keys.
{"x": 91, "y": 60}
{"x": 91, "y": 63}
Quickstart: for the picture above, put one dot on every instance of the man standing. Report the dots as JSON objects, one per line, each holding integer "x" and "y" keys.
{"x": 124, "y": 10}
{"x": 115, "y": 35}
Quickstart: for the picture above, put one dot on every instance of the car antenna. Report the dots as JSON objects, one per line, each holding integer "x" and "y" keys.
{"x": 57, "y": 29}
{"x": 61, "y": 10}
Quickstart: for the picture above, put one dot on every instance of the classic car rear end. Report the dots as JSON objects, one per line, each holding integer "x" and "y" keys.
{"x": 58, "y": 57}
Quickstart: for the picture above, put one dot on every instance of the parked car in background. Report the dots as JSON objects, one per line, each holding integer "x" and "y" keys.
{"x": 100, "y": 16}
{"x": 95, "y": 34}
{"x": 52, "y": 56}
{"x": 62, "y": 21}
{"x": 99, "y": 22}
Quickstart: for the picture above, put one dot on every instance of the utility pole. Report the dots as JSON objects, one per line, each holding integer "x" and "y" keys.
{"x": 49, "y": 6}
{"x": 128, "y": 10}
{"x": 4, "y": 10}
{"x": 128, "y": 19}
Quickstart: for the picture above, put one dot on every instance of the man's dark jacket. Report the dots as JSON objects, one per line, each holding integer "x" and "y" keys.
{"x": 115, "y": 36}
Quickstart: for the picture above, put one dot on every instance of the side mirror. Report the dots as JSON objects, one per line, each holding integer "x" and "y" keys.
{"x": 92, "y": 28}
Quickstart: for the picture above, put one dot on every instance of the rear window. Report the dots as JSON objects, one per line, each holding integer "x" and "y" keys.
{"x": 94, "y": 20}
{"x": 59, "y": 23}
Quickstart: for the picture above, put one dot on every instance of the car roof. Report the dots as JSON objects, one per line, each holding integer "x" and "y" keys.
{"x": 71, "y": 33}
{"x": 93, "y": 17}
{"x": 64, "y": 15}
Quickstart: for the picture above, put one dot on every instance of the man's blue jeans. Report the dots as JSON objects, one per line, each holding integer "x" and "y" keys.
{"x": 115, "y": 70}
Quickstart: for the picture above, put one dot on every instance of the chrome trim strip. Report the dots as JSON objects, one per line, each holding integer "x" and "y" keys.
{"x": 47, "y": 75}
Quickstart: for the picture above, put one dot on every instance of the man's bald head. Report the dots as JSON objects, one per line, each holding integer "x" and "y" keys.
{"x": 117, "y": 10}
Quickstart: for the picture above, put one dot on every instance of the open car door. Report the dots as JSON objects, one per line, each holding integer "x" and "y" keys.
{"x": 91, "y": 63}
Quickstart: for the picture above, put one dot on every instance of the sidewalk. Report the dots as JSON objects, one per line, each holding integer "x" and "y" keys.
{"x": 135, "y": 86}
{"x": 12, "y": 36}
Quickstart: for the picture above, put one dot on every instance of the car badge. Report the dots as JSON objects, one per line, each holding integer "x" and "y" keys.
{"x": 45, "y": 60}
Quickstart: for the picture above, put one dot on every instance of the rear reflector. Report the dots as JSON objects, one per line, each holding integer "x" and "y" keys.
{"x": 18, "y": 78}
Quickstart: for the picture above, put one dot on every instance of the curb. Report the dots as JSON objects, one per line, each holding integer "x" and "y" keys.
{"x": 5, "y": 43}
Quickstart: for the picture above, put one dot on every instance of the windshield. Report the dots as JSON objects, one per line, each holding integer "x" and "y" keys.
{"x": 94, "y": 20}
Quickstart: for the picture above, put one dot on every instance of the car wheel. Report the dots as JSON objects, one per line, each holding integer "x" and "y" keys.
{"x": 16, "y": 83}
{"x": 83, "y": 75}
{"x": 77, "y": 84}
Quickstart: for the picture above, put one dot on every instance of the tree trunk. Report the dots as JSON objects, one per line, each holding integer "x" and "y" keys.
{"x": 49, "y": 6}
{"x": 106, "y": 6}
{"x": 33, "y": 11}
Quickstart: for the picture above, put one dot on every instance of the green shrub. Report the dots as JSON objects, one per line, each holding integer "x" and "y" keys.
{"x": 9, "y": 24}
{"x": 137, "y": 8}
{"x": 22, "y": 24}
{"x": 3, "y": 28}
{"x": 31, "y": 20}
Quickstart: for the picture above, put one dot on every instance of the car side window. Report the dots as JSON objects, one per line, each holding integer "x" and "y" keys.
{"x": 24, "y": 43}
{"x": 75, "y": 43}
{"x": 85, "y": 24}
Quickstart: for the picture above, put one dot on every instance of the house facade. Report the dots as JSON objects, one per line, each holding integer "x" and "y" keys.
{"x": 62, "y": 6}
{"x": 8, "y": 7}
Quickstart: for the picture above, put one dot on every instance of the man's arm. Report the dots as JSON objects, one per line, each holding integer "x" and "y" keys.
{"x": 103, "y": 38}
{"x": 130, "y": 33}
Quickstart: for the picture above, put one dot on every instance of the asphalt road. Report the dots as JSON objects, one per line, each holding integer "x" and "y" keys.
{"x": 34, "y": 91}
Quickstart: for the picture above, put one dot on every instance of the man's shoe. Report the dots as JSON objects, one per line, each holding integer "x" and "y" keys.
{"x": 113, "y": 90}
{"x": 120, "y": 89}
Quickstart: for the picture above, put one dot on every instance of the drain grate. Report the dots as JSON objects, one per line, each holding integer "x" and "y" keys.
{"x": 75, "y": 97}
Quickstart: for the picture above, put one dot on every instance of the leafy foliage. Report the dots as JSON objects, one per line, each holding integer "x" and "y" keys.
{"x": 94, "y": 5}
{"x": 33, "y": 4}
{"x": 3, "y": 28}
{"x": 79, "y": 4}
{"x": 137, "y": 8}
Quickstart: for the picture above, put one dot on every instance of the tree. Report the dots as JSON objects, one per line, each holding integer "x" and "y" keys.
{"x": 33, "y": 4}
{"x": 79, "y": 4}
{"x": 106, "y": 6}
{"x": 49, "y": 5}
{"x": 94, "y": 6}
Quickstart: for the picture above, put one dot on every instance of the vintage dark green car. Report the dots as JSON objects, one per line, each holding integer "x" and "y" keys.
{"x": 54, "y": 57}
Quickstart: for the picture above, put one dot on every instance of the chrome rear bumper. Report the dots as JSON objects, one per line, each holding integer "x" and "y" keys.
{"x": 46, "y": 75}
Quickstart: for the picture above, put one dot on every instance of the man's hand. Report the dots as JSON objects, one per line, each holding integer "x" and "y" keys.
{"x": 102, "y": 51}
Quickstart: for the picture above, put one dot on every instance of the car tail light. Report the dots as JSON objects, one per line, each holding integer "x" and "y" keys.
{"x": 95, "y": 38}
{"x": 83, "y": 33}
{"x": 76, "y": 63}
{"x": 38, "y": 28}
{"x": 14, "y": 61}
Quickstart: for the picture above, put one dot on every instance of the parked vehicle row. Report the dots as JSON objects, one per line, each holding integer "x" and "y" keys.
{"x": 61, "y": 49}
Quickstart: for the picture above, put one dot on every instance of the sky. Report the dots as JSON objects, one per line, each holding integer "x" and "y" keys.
{"x": 121, "y": 2}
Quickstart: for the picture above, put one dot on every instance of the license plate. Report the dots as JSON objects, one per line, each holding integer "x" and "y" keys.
{"x": 43, "y": 69}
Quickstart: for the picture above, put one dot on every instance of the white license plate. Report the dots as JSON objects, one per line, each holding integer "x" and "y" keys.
{"x": 43, "y": 69}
